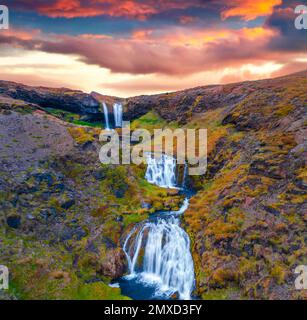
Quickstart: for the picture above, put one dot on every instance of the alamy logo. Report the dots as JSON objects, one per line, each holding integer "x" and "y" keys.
{"x": 301, "y": 21}
{"x": 4, "y": 17}
{"x": 189, "y": 146}
{"x": 301, "y": 280}
{"x": 4, "y": 278}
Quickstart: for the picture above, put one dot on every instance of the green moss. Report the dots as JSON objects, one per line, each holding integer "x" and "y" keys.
{"x": 86, "y": 123}
{"x": 220, "y": 294}
{"x": 284, "y": 110}
{"x": 149, "y": 121}
{"x": 279, "y": 272}
{"x": 72, "y": 117}
{"x": 81, "y": 135}
{"x": 132, "y": 219}
{"x": 98, "y": 291}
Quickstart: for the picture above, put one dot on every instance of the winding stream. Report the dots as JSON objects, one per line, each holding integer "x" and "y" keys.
{"x": 158, "y": 250}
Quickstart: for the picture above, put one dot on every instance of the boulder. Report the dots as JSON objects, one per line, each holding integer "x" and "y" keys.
{"x": 13, "y": 221}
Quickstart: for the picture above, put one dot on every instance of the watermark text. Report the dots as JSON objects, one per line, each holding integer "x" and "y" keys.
{"x": 4, "y": 17}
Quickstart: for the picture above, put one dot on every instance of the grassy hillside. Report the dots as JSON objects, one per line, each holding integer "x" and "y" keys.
{"x": 63, "y": 214}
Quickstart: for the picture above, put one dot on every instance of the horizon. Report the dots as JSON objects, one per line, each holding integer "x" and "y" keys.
{"x": 129, "y": 48}
{"x": 159, "y": 93}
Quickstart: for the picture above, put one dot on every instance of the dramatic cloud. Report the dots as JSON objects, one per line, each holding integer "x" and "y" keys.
{"x": 171, "y": 57}
{"x": 141, "y": 9}
{"x": 115, "y": 8}
{"x": 134, "y": 46}
{"x": 250, "y": 9}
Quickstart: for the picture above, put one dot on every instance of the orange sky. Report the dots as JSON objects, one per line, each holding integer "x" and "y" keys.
{"x": 127, "y": 48}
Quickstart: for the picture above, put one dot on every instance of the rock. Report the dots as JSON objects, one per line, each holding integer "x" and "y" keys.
{"x": 29, "y": 216}
{"x": 45, "y": 195}
{"x": 175, "y": 296}
{"x": 59, "y": 187}
{"x": 146, "y": 205}
{"x": 13, "y": 221}
{"x": 119, "y": 218}
{"x": 272, "y": 210}
{"x": 114, "y": 264}
{"x": 99, "y": 175}
{"x": 88, "y": 145}
{"x": 79, "y": 233}
{"x": 48, "y": 213}
{"x": 120, "y": 192}
{"x": 62, "y": 98}
{"x": 67, "y": 204}
{"x": 47, "y": 177}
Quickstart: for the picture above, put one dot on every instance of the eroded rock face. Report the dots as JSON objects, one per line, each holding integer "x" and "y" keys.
{"x": 114, "y": 265}
{"x": 66, "y": 99}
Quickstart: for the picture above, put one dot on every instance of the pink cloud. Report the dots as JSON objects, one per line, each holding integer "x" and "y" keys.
{"x": 171, "y": 56}
{"x": 139, "y": 9}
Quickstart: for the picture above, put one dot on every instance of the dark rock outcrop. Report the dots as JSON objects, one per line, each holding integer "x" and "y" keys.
{"x": 66, "y": 99}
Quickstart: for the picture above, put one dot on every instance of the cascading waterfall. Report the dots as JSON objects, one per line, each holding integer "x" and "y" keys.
{"x": 106, "y": 116}
{"x": 118, "y": 114}
{"x": 167, "y": 261}
{"x": 158, "y": 251}
{"x": 161, "y": 171}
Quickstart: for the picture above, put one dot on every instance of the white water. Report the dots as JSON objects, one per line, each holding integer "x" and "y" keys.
{"x": 161, "y": 171}
{"x": 165, "y": 261}
{"x": 118, "y": 114}
{"x": 106, "y": 116}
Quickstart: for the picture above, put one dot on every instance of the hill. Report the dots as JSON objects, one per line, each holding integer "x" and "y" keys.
{"x": 63, "y": 215}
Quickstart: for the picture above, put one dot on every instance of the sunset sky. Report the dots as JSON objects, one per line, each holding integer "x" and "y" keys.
{"x": 127, "y": 48}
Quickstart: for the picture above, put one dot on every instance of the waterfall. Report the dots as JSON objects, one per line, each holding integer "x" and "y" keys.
{"x": 185, "y": 175}
{"x": 161, "y": 171}
{"x": 118, "y": 114}
{"x": 106, "y": 116}
{"x": 158, "y": 250}
{"x": 136, "y": 249}
{"x": 167, "y": 261}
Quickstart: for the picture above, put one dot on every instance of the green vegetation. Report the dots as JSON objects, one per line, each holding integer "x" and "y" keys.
{"x": 149, "y": 121}
{"x": 72, "y": 117}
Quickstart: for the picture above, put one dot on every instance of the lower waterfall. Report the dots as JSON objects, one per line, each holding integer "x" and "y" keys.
{"x": 158, "y": 250}
{"x": 167, "y": 261}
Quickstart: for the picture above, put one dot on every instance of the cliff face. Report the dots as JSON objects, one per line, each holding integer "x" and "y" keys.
{"x": 63, "y": 214}
{"x": 65, "y": 99}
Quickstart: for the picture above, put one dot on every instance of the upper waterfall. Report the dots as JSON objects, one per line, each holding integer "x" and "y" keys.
{"x": 118, "y": 114}
{"x": 106, "y": 116}
{"x": 161, "y": 171}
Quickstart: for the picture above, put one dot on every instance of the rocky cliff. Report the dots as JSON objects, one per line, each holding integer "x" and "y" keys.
{"x": 62, "y": 98}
